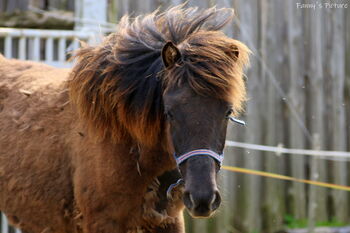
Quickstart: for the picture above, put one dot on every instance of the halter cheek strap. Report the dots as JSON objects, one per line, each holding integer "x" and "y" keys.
{"x": 200, "y": 152}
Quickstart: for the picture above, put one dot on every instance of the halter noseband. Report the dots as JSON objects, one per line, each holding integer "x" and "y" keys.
{"x": 182, "y": 158}
{"x": 199, "y": 152}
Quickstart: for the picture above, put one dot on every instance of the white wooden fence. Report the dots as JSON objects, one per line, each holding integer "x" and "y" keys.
{"x": 5, "y": 228}
{"x": 48, "y": 46}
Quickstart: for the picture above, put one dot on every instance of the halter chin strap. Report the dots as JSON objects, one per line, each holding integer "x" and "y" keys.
{"x": 182, "y": 158}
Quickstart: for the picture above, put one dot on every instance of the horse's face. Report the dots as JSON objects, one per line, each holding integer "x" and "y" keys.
{"x": 196, "y": 129}
{"x": 197, "y": 122}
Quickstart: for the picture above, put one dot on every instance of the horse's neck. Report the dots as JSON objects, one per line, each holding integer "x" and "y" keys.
{"x": 156, "y": 160}
{"x": 151, "y": 162}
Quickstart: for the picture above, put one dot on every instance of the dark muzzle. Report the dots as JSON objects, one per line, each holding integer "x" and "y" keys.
{"x": 200, "y": 198}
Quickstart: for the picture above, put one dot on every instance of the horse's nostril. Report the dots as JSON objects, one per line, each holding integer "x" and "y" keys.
{"x": 213, "y": 199}
{"x": 202, "y": 204}
{"x": 188, "y": 200}
{"x": 215, "y": 203}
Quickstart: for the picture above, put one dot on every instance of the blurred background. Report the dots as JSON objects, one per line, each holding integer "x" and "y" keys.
{"x": 298, "y": 97}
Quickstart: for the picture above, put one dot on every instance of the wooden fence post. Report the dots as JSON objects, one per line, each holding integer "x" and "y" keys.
{"x": 337, "y": 73}
{"x": 314, "y": 191}
{"x": 249, "y": 24}
{"x": 273, "y": 67}
{"x": 347, "y": 77}
{"x": 297, "y": 97}
{"x": 92, "y": 14}
{"x": 4, "y": 224}
{"x": 318, "y": 195}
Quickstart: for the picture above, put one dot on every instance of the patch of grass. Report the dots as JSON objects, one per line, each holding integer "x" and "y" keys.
{"x": 291, "y": 223}
{"x": 332, "y": 223}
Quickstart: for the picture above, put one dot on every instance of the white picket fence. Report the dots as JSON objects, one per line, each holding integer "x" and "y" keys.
{"x": 48, "y": 46}
{"x": 5, "y": 228}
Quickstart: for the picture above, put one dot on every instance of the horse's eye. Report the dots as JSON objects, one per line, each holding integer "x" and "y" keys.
{"x": 169, "y": 115}
{"x": 229, "y": 112}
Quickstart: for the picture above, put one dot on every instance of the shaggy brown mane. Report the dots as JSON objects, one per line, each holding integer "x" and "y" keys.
{"x": 118, "y": 85}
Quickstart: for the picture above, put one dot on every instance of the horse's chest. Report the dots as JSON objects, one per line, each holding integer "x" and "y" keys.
{"x": 158, "y": 210}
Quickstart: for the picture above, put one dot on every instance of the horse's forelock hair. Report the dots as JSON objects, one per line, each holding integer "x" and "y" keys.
{"x": 118, "y": 85}
{"x": 213, "y": 65}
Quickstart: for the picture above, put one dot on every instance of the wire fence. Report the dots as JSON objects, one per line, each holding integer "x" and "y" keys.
{"x": 327, "y": 154}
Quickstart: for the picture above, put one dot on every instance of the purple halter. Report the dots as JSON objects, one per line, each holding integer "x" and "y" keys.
{"x": 199, "y": 152}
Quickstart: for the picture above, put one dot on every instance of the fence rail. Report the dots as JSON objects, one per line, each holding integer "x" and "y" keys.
{"x": 281, "y": 150}
{"x": 48, "y": 46}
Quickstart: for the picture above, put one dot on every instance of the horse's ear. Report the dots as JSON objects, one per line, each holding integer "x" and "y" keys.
{"x": 170, "y": 54}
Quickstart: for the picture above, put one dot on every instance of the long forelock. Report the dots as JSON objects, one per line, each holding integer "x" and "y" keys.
{"x": 118, "y": 85}
{"x": 212, "y": 64}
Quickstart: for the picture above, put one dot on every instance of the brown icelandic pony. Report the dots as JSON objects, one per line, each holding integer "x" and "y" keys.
{"x": 98, "y": 149}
